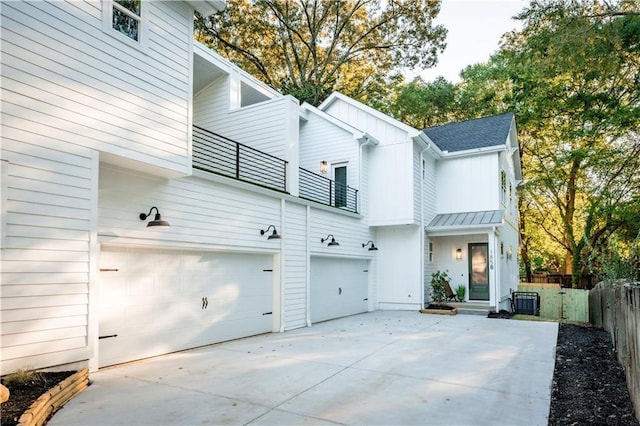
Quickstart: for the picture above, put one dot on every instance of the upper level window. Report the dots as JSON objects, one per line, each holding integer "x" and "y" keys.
{"x": 503, "y": 184}
{"x": 126, "y": 17}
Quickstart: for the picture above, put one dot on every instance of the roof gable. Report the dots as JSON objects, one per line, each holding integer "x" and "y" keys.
{"x": 472, "y": 134}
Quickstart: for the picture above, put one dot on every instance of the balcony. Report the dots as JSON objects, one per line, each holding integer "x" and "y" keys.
{"x": 318, "y": 188}
{"x": 217, "y": 154}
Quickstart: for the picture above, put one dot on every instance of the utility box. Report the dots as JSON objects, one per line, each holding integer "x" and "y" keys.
{"x": 526, "y": 302}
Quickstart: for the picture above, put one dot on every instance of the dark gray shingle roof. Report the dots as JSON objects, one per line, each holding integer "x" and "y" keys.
{"x": 472, "y": 134}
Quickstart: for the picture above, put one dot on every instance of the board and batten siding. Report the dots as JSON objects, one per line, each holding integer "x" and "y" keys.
{"x": 468, "y": 184}
{"x": 382, "y": 130}
{"x": 296, "y": 264}
{"x": 63, "y": 74}
{"x": 48, "y": 222}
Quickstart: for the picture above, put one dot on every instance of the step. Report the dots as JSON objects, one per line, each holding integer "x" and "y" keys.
{"x": 470, "y": 308}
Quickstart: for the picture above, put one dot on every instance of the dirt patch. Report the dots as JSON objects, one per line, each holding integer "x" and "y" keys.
{"x": 22, "y": 395}
{"x": 589, "y": 386}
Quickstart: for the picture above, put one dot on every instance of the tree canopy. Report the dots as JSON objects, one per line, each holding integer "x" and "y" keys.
{"x": 309, "y": 48}
{"x": 572, "y": 77}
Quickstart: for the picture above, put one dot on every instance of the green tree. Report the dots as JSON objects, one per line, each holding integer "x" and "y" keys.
{"x": 309, "y": 48}
{"x": 575, "y": 69}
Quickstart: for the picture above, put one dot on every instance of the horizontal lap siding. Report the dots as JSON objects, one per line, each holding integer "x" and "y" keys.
{"x": 349, "y": 232}
{"x": 47, "y": 202}
{"x": 295, "y": 266}
{"x": 321, "y": 140}
{"x": 62, "y": 74}
{"x": 267, "y": 131}
{"x": 203, "y": 214}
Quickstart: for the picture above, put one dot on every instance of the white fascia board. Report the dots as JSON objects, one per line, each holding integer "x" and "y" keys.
{"x": 207, "y": 7}
{"x": 359, "y": 135}
{"x": 472, "y": 152}
{"x": 461, "y": 230}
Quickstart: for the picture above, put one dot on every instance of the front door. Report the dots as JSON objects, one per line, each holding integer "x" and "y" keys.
{"x": 478, "y": 271}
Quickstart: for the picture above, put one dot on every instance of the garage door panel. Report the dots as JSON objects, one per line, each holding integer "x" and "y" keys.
{"x": 163, "y": 301}
{"x": 339, "y": 287}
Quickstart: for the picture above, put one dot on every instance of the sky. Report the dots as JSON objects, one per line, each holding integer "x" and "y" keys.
{"x": 475, "y": 28}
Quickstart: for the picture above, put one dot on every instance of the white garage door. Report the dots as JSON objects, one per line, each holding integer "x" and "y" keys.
{"x": 154, "y": 302}
{"x": 339, "y": 287}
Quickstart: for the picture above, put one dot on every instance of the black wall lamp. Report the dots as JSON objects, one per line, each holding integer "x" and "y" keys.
{"x": 372, "y": 248}
{"x": 324, "y": 166}
{"x": 157, "y": 221}
{"x": 333, "y": 241}
{"x": 274, "y": 235}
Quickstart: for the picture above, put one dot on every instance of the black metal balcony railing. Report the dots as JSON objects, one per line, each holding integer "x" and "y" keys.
{"x": 217, "y": 154}
{"x": 318, "y": 188}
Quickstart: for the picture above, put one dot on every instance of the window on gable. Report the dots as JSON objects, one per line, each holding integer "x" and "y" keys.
{"x": 503, "y": 184}
{"x": 126, "y": 17}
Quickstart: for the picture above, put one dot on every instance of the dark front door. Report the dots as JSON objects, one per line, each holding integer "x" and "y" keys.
{"x": 340, "y": 177}
{"x": 478, "y": 271}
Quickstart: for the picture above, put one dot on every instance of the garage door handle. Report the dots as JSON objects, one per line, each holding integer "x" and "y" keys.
{"x": 339, "y": 290}
{"x": 108, "y": 336}
{"x": 267, "y": 313}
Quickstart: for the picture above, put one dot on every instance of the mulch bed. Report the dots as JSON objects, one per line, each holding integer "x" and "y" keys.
{"x": 23, "y": 395}
{"x": 589, "y": 385}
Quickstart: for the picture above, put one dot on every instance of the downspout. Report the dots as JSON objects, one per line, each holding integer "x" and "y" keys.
{"x": 308, "y": 268}
{"x": 495, "y": 265}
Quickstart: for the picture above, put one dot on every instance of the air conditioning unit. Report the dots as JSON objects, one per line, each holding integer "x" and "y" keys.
{"x": 526, "y": 302}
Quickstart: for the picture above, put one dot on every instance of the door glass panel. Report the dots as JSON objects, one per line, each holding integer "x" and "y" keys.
{"x": 479, "y": 271}
{"x": 340, "y": 191}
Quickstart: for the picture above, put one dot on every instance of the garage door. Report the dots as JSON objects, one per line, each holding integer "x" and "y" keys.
{"x": 154, "y": 302}
{"x": 339, "y": 287}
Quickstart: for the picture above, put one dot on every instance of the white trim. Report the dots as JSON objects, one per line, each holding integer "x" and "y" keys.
{"x": 143, "y": 31}
{"x": 93, "y": 319}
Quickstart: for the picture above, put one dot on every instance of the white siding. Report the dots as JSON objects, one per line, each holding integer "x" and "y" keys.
{"x": 321, "y": 140}
{"x": 295, "y": 266}
{"x": 468, "y": 184}
{"x": 47, "y": 203}
{"x": 263, "y": 126}
{"x": 391, "y": 179}
{"x": 349, "y": 232}
{"x": 382, "y": 130}
{"x": 63, "y": 75}
{"x": 399, "y": 272}
{"x": 202, "y": 214}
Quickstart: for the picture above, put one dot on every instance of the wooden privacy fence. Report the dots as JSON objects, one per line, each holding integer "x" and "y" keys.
{"x": 568, "y": 304}
{"x": 615, "y": 306}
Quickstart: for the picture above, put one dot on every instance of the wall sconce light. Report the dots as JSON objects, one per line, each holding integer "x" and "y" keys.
{"x": 458, "y": 254}
{"x": 157, "y": 221}
{"x": 372, "y": 248}
{"x": 274, "y": 235}
{"x": 324, "y": 167}
{"x": 510, "y": 253}
{"x": 333, "y": 241}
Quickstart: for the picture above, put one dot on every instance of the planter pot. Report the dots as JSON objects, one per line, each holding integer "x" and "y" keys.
{"x": 439, "y": 310}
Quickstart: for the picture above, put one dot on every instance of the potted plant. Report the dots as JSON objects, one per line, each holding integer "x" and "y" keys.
{"x": 460, "y": 292}
{"x": 438, "y": 295}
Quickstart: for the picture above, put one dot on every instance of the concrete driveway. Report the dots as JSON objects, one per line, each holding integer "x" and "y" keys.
{"x": 379, "y": 368}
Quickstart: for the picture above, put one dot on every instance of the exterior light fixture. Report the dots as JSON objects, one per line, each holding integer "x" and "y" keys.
{"x": 324, "y": 167}
{"x": 274, "y": 235}
{"x": 458, "y": 254}
{"x": 372, "y": 248}
{"x": 333, "y": 241}
{"x": 157, "y": 221}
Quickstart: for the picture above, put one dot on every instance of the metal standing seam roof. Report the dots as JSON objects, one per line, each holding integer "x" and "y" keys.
{"x": 462, "y": 220}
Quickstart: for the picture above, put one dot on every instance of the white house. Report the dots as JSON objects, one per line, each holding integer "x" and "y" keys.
{"x": 115, "y": 119}
{"x": 442, "y": 199}
{"x": 474, "y": 236}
